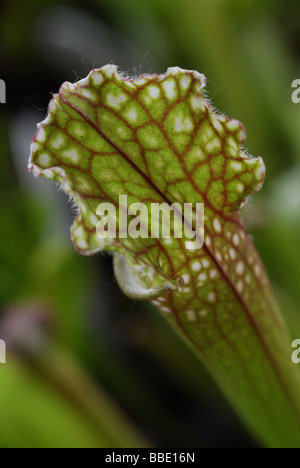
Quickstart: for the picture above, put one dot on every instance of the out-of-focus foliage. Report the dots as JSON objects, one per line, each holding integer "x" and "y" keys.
{"x": 249, "y": 50}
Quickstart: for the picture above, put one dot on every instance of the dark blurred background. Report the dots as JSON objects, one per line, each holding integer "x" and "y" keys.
{"x": 87, "y": 367}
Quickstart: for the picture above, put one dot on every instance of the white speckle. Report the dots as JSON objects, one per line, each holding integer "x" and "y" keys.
{"x": 167, "y": 241}
{"x": 213, "y": 146}
{"x": 233, "y": 125}
{"x": 71, "y": 154}
{"x": 167, "y": 310}
{"x": 109, "y": 70}
{"x": 115, "y": 101}
{"x": 217, "y": 125}
{"x": 97, "y": 78}
{"x": 154, "y": 91}
{"x": 217, "y": 225}
{"x": 211, "y": 297}
{"x": 196, "y": 266}
{"x": 185, "y": 81}
{"x": 203, "y": 313}
{"x": 205, "y": 263}
{"x": 202, "y": 277}
{"x": 240, "y": 187}
{"x": 198, "y": 104}
{"x": 257, "y": 270}
{"x": 236, "y": 166}
{"x": 44, "y": 159}
{"x": 81, "y": 243}
{"x": 88, "y": 94}
{"x": 78, "y": 231}
{"x": 236, "y": 239}
{"x": 232, "y": 254}
{"x": 94, "y": 220}
{"x": 213, "y": 274}
{"x": 207, "y": 241}
{"x": 240, "y": 286}
{"x": 191, "y": 315}
{"x": 41, "y": 135}
{"x": 260, "y": 172}
{"x": 132, "y": 115}
{"x": 240, "y": 268}
{"x": 140, "y": 81}
{"x": 248, "y": 279}
{"x": 178, "y": 125}
{"x": 48, "y": 173}
{"x": 186, "y": 279}
{"x": 219, "y": 256}
{"x": 169, "y": 88}
{"x": 58, "y": 142}
{"x": 34, "y": 147}
{"x": 187, "y": 290}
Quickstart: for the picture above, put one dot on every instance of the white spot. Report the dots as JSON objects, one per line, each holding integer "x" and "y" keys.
{"x": 213, "y": 274}
{"x": 240, "y": 268}
{"x": 44, "y": 159}
{"x": 34, "y": 147}
{"x": 213, "y": 146}
{"x": 71, "y": 154}
{"x": 132, "y": 115}
{"x": 41, "y": 135}
{"x": 198, "y": 104}
{"x": 196, "y": 266}
{"x": 191, "y": 315}
{"x": 187, "y": 290}
{"x": 232, "y": 254}
{"x": 167, "y": 241}
{"x": 185, "y": 81}
{"x": 203, "y": 313}
{"x": 260, "y": 172}
{"x": 79, "y": 231}
{"x": 169, "y": 88}
{"x": 167, "y": 310}
{"x": 248, "y": 279}
{"x": 257, "y": 270}
{"x": 115, "y": 101}
{"x": 240, "y": 187}
{"x": 211, "y": 297}
{"x": 207, "y": 241}
{"x": 154, "y": 91}
{"x": 202, "y": 277}
{"x": 233, "y": 125}
{"x": 236, "y": 166}
{"x": 186, "y": 279}
{"x": 236, "y": 239}
{"x": 94, "y": 220}
{"x": 219, "y": 256}
{"x": 89, "y": 95}
{"x": 217, "y": 125}
{"x": 140, "y": 81}
{"x": 217, "y": 225}
{"x": 58, "y": 142}
{"x": 240, "y": 286}
{"x": 205, "y": 263}
{"x": 97, "y": 78}
{"x": 81, "y": 243}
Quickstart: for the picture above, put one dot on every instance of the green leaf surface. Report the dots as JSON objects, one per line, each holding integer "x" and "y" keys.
{"x": 157, "y": 139}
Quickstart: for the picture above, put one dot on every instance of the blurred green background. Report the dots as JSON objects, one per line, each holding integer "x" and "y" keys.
{"x": 87, "y": 367}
